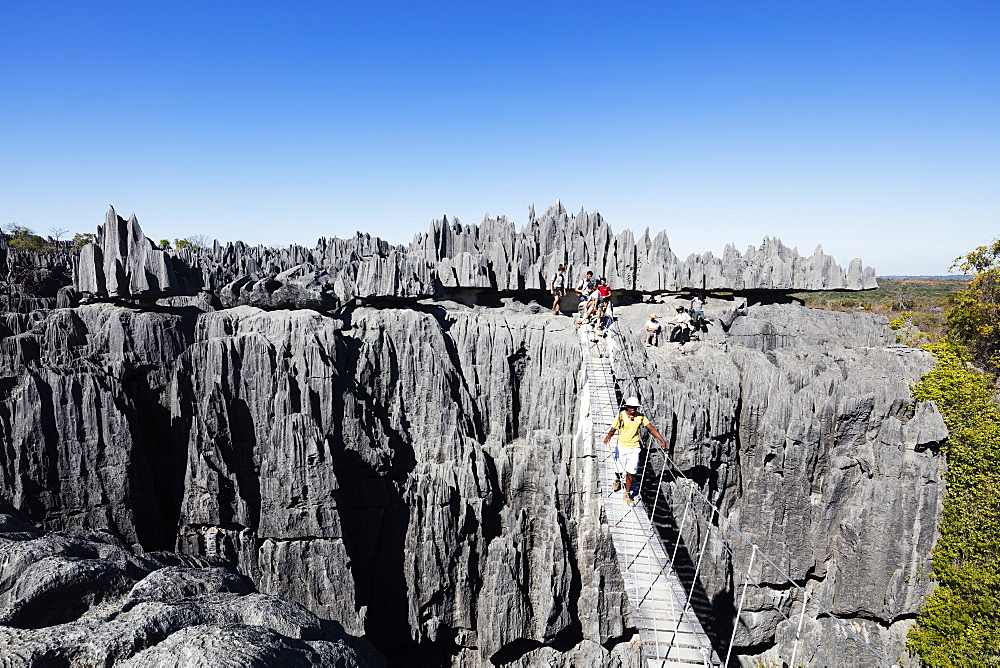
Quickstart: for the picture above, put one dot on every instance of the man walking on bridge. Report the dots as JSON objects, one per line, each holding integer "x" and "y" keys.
{"x": 627, "y": 453}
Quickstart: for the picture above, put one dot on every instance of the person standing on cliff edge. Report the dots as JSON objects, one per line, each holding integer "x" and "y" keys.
{"x": 557, "y": 286}
{"x": 628, "y": 423}
{"x": 583, "y": 289}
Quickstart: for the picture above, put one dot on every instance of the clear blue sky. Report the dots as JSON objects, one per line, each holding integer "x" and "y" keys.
{"x": 872, "y": 128}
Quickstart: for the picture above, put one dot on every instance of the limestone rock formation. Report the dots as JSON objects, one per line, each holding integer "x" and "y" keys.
{"x": 800, "y": 425}
{"x": 331, "y": 461}
{"x": 83, "y": 598}
{"x": 389, "y": 443}
{"x": 122, "y": 262}
{"x": 492, "y": 256}
{"x": 31, "y": 280}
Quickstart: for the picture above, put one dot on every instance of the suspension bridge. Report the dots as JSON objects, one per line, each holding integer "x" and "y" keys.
{"x": 665, "y": 539}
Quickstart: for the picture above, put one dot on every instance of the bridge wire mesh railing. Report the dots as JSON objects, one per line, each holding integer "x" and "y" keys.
{"x": 773, "y": 590}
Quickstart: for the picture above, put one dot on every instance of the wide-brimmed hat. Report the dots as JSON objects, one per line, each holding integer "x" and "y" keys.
{"x": 652, "y": 316}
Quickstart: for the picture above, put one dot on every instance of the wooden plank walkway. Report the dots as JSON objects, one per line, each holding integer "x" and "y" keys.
{"x": 671, "y": 636}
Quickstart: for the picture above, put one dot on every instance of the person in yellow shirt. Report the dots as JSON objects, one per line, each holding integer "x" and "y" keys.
{"x": 628, "y": 422}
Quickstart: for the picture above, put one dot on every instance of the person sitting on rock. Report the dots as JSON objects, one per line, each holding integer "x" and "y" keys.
{"x": 681, "y": 333}
{"x": 603, "y": 300}
{"x": 652, "y": 331}
{"x": 590, "y": 306}
{"x": 628, "y": 423}
{"x": 604, "y": 290}
{"x": 557, "y": 286}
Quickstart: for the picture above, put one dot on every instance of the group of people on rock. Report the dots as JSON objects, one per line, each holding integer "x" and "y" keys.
{"x": 595, "y": 295}
{"x": 686, "y": 321}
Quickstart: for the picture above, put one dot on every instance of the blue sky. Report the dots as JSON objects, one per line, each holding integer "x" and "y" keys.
{"x": 872, "y": 128}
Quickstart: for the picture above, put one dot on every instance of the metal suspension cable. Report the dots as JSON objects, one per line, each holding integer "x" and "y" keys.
{"x": 774, "y": 604}
{"x": 634, "y": 378}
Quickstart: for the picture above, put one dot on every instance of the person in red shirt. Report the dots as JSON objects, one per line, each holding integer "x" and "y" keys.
{"x": 604, "y": 295}
{"x": 603, "y": 288}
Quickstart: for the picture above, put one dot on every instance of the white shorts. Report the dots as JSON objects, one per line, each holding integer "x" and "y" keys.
{"x": 628, "y": 459}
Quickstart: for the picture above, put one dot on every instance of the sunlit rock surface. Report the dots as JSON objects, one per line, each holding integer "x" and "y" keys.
{"x": 389, "y": 442}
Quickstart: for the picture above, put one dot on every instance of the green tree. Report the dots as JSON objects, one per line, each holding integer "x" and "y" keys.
{"x": 193, "y": 241}
{"x": 974, "y": 318}
{"x": 24, "y": 238}
{"x": 81, "y": 239}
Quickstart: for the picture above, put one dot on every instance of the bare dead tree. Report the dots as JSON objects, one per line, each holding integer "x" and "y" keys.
{"x": 200, "y": 240}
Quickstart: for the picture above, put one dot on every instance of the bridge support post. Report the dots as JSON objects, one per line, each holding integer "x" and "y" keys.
{"x": 798, "y": 631}
{"x": 680, "y": 531}
{"x": 739, "y": 610}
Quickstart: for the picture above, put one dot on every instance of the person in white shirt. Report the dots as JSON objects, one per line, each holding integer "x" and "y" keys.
{"x": 681, "y": 333}
{"x": 583, "y": 289}
{"x": 697, "y": 310}
{"x": 652, "y": 331}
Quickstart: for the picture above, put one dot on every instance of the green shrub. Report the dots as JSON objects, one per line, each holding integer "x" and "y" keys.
{"x": 960, "y": 623}
{"x": 24, "y": 238}
{"x": 896, "y": 323}
{"x": 81, "y": 239}
{"x": 974, "y": 318}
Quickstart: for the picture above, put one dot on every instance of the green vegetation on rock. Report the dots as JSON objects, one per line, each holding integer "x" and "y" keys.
{"x": 24, "y": 238}
{"x": 960, "y": 623}
{"x": 81, "y": 239}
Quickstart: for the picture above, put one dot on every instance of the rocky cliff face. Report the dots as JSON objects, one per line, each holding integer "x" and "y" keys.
{"x": 31, "y": 280}
{"x": 84, "y": 599}
{"x": 415, "y": 469}
{"x": 410, "y": 473}
{"x": 799, "y": 425}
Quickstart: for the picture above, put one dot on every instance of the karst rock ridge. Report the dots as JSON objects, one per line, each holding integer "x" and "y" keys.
{"x": 492, "y": 256}
{"x": 363, "y": 453}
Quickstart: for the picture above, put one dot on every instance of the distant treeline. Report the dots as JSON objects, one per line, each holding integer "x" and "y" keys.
{"x": 915, "y": 305}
